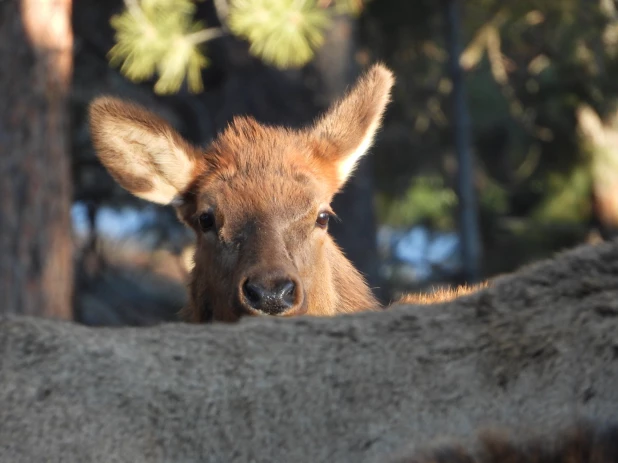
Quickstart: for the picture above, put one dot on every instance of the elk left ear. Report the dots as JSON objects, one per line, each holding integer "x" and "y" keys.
{"x": 349, "y": 127}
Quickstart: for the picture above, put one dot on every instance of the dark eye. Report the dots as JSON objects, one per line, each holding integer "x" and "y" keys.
{"x": 206, "y": 221}
{"x": 322, "y": 220}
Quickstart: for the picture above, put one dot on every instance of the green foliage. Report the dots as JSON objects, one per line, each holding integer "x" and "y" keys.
{"x": 427, "y": 200}
{"x": 493, "y": 197}
{"x": 155, "y": 35}
{"x": 160, "y": 36}
{"x": 529, "y": 64}
{"x": 353, "y": 7}
{"x": 284, "y": 33}
{"x": 567, "y": 197}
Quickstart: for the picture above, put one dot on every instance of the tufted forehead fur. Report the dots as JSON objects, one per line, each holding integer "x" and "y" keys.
{"x": 148, "y": 157}
{"x": 265, "y": 185}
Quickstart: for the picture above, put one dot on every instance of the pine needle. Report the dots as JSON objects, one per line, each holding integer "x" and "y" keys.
{"x": 284, "y": 33}
{"x": 159, "y": 36}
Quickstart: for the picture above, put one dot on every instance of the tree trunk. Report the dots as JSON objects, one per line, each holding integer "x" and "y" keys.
{"x": 35, "y": 194}
{"x": 468, "y": 214}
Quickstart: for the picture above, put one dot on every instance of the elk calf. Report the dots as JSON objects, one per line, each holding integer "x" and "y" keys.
{"x": 258, "y": 199}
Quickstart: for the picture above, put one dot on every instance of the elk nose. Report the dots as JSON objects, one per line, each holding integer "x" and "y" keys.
{"x": 270, "y": 297}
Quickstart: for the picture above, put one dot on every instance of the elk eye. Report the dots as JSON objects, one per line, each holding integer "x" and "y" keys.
{"x": 206, "y": 221}
{"x": 322, "y": 220}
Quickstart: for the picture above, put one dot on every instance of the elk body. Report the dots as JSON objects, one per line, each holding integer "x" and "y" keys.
{"x": 258, "y": 199}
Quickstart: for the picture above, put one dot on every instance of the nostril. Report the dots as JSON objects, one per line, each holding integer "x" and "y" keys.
{"x": 252, "y": 292}
{"x": 287, "y": 292}
{"x": 269, "y": 296}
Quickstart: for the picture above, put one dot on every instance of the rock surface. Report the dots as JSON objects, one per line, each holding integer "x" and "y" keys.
{"x": 537, "y": 350}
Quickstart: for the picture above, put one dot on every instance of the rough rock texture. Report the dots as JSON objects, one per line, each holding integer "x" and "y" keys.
{"x": 536, "y": 350}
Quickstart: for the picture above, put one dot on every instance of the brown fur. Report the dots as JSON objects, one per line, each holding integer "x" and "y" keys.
{"x": 584, "y": 443}
{"x": 266, "y": 187}
{"x": 441, "y": 295}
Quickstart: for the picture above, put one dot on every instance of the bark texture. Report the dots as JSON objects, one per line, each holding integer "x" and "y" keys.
{"x": 536, "y": 350}
{"x": 35, "y": 192}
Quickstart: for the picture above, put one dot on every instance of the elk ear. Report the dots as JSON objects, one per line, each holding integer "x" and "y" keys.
{"x": 350, "y": 125}
{"x": 141, "y": 151}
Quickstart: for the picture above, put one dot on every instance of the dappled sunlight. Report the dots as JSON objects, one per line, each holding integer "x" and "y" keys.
{"x": 48, "y": 27}
{"x": 309, "y": 230}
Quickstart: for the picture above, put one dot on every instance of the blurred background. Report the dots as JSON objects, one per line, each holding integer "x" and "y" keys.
{"x": 500, "y": 147}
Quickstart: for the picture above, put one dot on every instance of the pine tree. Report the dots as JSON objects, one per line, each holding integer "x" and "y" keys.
{"x": 162, "y": 37}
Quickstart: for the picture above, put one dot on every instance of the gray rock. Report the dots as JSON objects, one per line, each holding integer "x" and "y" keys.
{"x": 538, "y": 349}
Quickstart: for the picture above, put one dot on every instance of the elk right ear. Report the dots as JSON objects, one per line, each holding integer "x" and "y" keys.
{"x": 141, "y": 151}
{"x": 349, "y": 127}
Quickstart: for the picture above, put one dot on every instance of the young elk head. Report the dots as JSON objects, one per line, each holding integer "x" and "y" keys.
{"x": 258, "y": 199}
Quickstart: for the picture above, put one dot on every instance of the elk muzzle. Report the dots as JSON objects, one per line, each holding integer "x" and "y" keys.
{"x": 271, "y": 293}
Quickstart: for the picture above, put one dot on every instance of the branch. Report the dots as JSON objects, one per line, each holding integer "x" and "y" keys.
{"x": 205, "y": 35}
{"x": 222, "y": 10}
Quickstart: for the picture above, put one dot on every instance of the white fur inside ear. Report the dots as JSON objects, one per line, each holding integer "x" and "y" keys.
{"x": 154, "y": 157}
{"x": 346, "y": 166}
{"x": 161, "y": 193}
{"x": 172, "y": 162}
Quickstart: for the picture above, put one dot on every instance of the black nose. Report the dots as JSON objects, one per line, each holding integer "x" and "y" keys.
{"x": 269, "y": 297}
